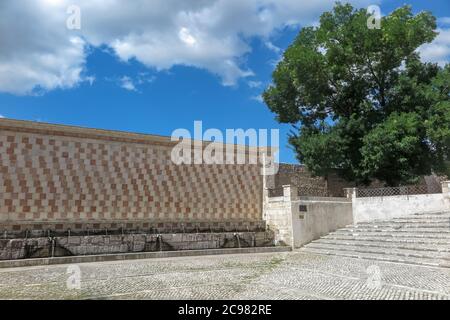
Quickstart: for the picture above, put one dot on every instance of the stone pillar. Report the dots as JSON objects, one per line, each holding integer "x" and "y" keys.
{"x": 264, "y": 203}
{"x": 265, "y": 195}
{"x": 290, "y": 193}
{"x": 350, "y": 192}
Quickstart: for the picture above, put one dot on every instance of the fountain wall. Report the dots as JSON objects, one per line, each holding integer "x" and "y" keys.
{"x": 60, "y": 177}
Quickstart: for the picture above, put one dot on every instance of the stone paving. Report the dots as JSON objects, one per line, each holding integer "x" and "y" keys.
{"x": 291, "y": 275}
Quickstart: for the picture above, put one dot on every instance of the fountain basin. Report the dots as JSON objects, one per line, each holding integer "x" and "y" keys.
{"x": 29, "y": 248}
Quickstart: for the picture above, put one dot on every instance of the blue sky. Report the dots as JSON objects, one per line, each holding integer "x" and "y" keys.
{"x": 153, "y": 68}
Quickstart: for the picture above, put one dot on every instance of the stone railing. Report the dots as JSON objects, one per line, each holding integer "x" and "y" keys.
{"x": 395, "y": 191}
{"x": 389, "y": 203}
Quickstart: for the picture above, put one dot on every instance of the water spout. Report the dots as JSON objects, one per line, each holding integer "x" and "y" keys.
{"x": 238, "y": 240}
{"x": 53, "y": 242}
{"x": 159, "y": 242}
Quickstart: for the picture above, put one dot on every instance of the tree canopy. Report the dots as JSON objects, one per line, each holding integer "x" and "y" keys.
{"x": 361, "y": 100}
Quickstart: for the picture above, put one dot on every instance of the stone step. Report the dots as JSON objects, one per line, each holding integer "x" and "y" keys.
{"x": 418, "y": 239}
{"x": 406, "y": 240}
{"x": 412, "y": 218}
{"x": 443, "y": 231}
{"x": 434, "y": 214}
{"x": 380, "y": 257}
{"x": 396, "y": 226}
{"x": 418, "y": 218}
{"x": 408, "y": 222}
{"x": 398, "y": 253}
{"x": 390, "y": 235}
{"x": 374, "y": 250}
{"x": 387, "y": 244}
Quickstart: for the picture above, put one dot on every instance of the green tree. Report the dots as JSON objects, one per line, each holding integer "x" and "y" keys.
{"x": 361, "y": 100}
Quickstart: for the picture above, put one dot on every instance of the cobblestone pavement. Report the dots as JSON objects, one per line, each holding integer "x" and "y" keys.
{"x": 293, "y": 275}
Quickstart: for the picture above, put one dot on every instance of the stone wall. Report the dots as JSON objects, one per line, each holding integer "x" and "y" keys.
{"x": 44, "y": 247}
{"x": 306, "y": 184}
{"x": 297, "y": 220}
{"x": 388, "y": 207}
{"x": 296, "y": 175}
{"x": 63, "y": 177}
{"x": 279, "y": 221}
{"x": 315, "y": 217}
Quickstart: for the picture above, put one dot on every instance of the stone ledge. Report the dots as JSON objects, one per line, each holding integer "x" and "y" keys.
{"x": 133, "y": 256}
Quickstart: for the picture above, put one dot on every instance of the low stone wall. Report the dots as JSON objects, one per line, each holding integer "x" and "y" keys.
{"x": 11, "y": 249}
{"x": 136, "y": 255}
{"x": 297, "y": 221}
{"x": 313, "y": 218}
{"x": 382, "y": 208}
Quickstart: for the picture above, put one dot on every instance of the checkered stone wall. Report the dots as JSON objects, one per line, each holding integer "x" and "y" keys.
{"x": 52, "y": 174}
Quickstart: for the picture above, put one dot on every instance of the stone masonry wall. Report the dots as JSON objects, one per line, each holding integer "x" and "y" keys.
{"x": 307, "y": 184}
{"x": 11, "y": 249}
{"x": 68, "y": 177}
{"x": 297, "y": 175}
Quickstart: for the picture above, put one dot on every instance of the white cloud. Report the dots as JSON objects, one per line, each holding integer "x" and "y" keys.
{"x": 254, "y": 84}
{"x": 258, "y": 98}
{"x": 186, "y": 37}
{"x": 127, "y": 83}
{"x": 35, "y": 53}
{"x": 439, "y": 50}
{"x": 144, "y": 77}
{"x": 2, "y": 116}
{"x": 132, "y": 83}
{"x": 272, "y": 47}
{"x": 90, "y": 79}
{"x": 39, "y": 52}
{"x": 443, "y": 20}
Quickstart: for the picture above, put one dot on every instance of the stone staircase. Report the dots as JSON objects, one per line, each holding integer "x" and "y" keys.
{"x": 417, "y": 239}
